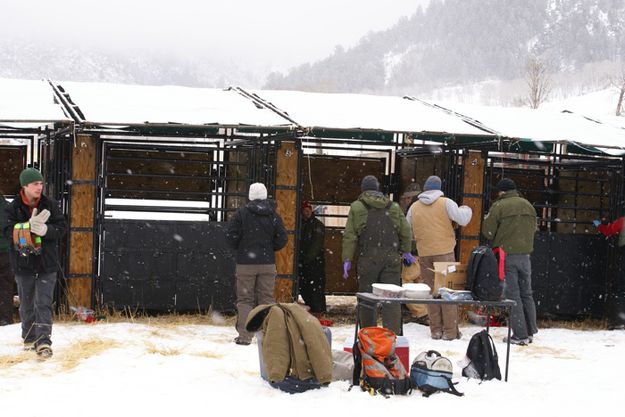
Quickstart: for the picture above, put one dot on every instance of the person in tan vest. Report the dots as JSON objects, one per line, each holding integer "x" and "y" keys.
{"x": 432, "y": 219}
{"x": 412, "y": 273}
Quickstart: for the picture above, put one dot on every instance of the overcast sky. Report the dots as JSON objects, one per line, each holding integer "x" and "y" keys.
{"x": 269, "y": 33}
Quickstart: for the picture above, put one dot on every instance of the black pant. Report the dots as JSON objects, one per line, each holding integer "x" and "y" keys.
{"x": 36, "y": 292}
{"x": 7, "y": 282}
{"x": 312, "y": 288}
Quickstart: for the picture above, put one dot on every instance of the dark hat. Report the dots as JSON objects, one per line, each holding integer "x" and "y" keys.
{"x": 30, "y": 175}
{"x": 306, "y": 204}
{"x": 432, "y": 183}
{"x": 506, "y": 184}
{"x": 369, "y": 183}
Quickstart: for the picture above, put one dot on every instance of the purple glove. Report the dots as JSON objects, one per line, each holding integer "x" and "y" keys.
{"x": 408, "y": 258}
{"x": 346, "y": 267}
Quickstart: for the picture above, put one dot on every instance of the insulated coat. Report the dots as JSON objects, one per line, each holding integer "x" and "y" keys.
{"x": 256, "y": 232}
{"x": 357, "y": 220}
{"x": 293, "y": 343}
{"x": 511, "y": 224}
{"x": 18, "y": 212}
{"x": 311, "y": 246}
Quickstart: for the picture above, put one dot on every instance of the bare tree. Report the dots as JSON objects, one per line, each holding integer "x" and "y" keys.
{"x": 619, "y": 83}
{"x": 538, "y": 82}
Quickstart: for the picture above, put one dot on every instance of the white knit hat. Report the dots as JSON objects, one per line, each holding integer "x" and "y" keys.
{"x": 258, "y": 191}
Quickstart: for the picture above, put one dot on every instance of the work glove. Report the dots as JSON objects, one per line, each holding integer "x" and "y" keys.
{"x": 596, "y": 222}
{"x": 408, "y": 258}
{"x": 347, "y": 265}
{"x": 38, "y": 222}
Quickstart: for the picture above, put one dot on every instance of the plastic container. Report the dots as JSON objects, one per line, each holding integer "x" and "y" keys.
{"x": 418, "y": 291}
{"x": 387, "y": 290}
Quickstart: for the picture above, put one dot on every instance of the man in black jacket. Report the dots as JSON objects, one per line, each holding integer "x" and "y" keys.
{"x": 34, "y": 224}
{"x": 312, "y": 274}
{"x": 255, "y": 232}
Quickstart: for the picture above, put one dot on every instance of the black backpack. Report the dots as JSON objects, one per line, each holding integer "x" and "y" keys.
{"x": 484, "y": 362}
{"x": 485, "y": 273}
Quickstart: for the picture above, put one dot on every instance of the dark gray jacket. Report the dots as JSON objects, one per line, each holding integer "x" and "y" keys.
{"x": 256, "y": 232}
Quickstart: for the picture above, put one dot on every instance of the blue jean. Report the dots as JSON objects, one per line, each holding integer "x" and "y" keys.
{"x": 36, "y": 291}
{"x": 518, "y": 287}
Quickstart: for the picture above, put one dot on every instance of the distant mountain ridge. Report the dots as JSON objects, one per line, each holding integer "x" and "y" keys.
{"x": 466, "y": 41}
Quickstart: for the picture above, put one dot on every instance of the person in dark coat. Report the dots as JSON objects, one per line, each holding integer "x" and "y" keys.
{"x": 616, "y": 303}
{"x": 34, "y": 257}
{"x": 6, "y": 276}
{"x": 511, "y": 224}
{"x": 377, "y": 229}
{"x": 312, "y": 275}
{"x": 255, "y": 232}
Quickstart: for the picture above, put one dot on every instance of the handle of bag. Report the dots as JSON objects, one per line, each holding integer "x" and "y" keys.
{"x": 433, "y": 353}
{"x": 502, "y": 262}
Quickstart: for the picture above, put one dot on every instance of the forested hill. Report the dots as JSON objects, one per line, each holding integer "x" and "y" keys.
{"x": 464, "y": 41}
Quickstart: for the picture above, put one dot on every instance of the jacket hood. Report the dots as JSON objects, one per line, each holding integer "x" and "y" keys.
{"x": 430, "y": 197}
{"x": 374, "y": 198}
{"x": 262, "y": 207}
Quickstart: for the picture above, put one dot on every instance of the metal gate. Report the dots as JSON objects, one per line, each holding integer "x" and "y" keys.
{"x": 162, "y": 219}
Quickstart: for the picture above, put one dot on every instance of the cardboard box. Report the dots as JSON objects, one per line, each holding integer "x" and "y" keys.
{"x": 402, "y": 349}
{"x": 452, "y": 275}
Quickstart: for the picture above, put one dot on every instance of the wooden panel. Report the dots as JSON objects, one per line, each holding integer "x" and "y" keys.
{"x": 236, "y": 180}
{"x": 473, "y": 188}
{"x": 283, "y": 291}
{"x": 79, "y": 292}
{"x": 285, "y": 258}
{"x": 159, "y": 167}
{"x": 119, "y": 185}
{"x": 287, "y": 207}
{"x": 83, "y": 203}
{"x": 286, "y": 174}
{"x": 337, "y": 179}
{"x": 416, "y": 169}
{"x": 81, "y": 253}
{"x": 83, "y": 158}
{"x": 334, "y": 265}
{"x": 162, "y": 154}
{"x": 12, "y": 162}
{"x": 578, "y": 188}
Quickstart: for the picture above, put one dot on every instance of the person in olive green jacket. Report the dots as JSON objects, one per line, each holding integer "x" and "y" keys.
{"x": 511, "y": 225}
{"x": 377, "y": 228}
{"x": 6, "y": 276}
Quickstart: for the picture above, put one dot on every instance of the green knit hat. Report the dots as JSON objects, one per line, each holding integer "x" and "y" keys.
{"x": 30, "y": 175}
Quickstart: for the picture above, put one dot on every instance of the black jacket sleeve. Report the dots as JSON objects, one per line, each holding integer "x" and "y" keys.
{"x": 280, "y": 237}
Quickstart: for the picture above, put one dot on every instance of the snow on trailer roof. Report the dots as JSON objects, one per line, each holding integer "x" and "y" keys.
{"x": 139, "y": 104}
{"x": 28, "y": 101}
{"x": 538, "y": 125}
{"x": 360, "y": 111}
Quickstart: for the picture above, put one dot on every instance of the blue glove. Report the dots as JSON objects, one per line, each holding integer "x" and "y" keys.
{"x": 596, "y": 222}
{"x": 408, "y": 258}
{"x": 347, "y": 265}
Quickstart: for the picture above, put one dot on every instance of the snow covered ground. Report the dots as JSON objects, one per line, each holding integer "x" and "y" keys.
{"x": 169, "y": 369}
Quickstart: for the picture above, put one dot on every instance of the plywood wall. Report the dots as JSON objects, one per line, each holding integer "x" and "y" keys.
{"x": 472, "y": 192}
{"x": 82, "y": 203}
{"x": 287, "y": 174}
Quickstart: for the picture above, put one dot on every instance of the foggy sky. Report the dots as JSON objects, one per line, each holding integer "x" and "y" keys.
{"x": 273, "y": 34}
